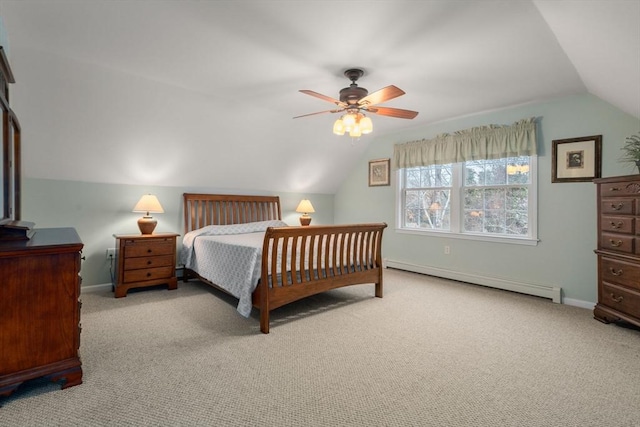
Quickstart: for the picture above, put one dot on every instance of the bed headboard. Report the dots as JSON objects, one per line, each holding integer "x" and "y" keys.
{"x": 201, "y": 210}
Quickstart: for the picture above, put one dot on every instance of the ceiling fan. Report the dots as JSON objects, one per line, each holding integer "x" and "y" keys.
{"x": 355, "y": 101}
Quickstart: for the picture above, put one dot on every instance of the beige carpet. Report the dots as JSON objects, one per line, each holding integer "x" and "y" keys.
{"x": 430, "y": 353}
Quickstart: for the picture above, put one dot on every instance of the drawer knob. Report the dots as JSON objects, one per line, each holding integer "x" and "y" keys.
{"x": 148, "y": 274}
{"x": 149, "y": 250}
{"x": 149, "y": 262}
{"x": 615, "y": 243}
{"x": 614, "y": 189}
{"x": 616, "y": 226}
{"x": 614, "y": 272}
{"x": 617, "y": 207}
{"x": 615, "y": 298}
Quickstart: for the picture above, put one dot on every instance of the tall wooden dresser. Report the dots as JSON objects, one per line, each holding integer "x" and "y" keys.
{"x": 40, "y": 309}
{"x": 618, "y": 249}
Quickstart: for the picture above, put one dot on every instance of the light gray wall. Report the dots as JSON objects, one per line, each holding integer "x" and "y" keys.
{"x": 567, "y": 211}
{"x": 98, "y": 211}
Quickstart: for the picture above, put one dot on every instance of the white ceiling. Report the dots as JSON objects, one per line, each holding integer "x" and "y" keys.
{"x": 249, "y": 58}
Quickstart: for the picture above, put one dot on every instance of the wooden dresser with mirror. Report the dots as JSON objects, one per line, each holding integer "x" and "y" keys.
{"x": 39, "y": 278}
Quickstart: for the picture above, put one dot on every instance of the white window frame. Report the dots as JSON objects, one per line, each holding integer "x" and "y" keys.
{"x": 456, "y": 231}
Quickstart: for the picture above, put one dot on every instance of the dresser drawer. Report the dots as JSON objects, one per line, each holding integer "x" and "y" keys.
{"x": 617, "y": 189}
{"x": 148, "y": 248}
{"x": 620, "y": 272}
{"x": 618, "y": 206}
{"x": 148, "y": 274}
{"x": 617, "y": 242}
{"x": 624, "y": 300}
{"x": 148, "y": 262}
{"x": 618, "y": 224}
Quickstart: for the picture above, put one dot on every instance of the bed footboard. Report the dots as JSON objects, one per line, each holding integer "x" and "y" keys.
{"x": 301, "y": 261}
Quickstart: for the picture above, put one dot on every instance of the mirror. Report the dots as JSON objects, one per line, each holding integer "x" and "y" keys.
{"x": 3, "y": 176}
{"x": 15, "y": 169}
{"x": 10, "y": 157}
{"x": 6, "y": 165}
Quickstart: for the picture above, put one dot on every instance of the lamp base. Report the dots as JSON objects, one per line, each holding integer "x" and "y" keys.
{"x": 147, "y": 224}
{"x": 305, "y": 220}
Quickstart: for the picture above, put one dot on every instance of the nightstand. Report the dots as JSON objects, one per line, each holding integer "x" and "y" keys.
{"x": 145, "y": 260}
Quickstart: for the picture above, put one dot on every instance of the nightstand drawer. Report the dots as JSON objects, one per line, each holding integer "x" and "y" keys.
{"x": 148, "y": 262}
{"x": 148, "y": 274}
{"x": 148, "y": 248}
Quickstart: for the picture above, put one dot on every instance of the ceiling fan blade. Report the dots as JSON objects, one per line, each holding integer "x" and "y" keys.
{"x": 319, "y": 112}
{"x": 393, "y": 112}
{"x": 324, "y": 97}
{"x": 382, "y": 95}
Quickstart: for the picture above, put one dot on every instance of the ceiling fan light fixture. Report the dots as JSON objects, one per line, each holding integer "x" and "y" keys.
{"x": 354, "y": 100}
{"x": 349, "y": 121}
{"x": 366, "y": 125}
{"x": 355, "y": 131}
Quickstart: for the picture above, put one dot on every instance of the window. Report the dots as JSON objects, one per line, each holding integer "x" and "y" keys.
{"x": 481, "y": 199}
{"x": 478, "y": 183}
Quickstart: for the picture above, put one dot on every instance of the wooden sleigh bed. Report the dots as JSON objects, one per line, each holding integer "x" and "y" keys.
{"x": 295, "y": 262}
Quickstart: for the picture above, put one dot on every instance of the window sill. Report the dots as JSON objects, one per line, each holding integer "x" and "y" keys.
{"x": 466, "y": 236}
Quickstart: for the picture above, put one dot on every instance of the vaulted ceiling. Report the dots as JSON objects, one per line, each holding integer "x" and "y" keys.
{"x": 230, "y": 71}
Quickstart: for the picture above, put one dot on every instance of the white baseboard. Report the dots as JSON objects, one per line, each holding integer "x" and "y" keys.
{"x": 96, "y": 288}
{"x": 579, "y": 303}
{"x": 551, "y": 292}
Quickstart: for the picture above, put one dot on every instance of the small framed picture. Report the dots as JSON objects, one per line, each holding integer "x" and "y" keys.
{"x": 577, "y": 159}
{"x": 379, "y": 172}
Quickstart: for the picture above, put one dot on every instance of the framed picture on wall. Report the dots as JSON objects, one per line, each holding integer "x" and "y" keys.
{"x": 379, "y": 172}
{"x": 576, "y": 159}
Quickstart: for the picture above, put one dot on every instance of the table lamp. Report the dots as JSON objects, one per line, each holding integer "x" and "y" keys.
{"x": 148, "y": 204}
{"x": 305, "y": 207}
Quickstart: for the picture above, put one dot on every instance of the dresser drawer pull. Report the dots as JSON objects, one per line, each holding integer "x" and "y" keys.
{"x": 615, "y": 298}
{"x": 615, "y": 243}
{"x": 615, "y": 189}
{"x": 617, "y": 207}
{"x": 149, "y": 250}
{"x": 149, "y": 262}
{"x": 616, "y": 226}
{"x": 148, "y": 274}
{"x": 614, "y": 272}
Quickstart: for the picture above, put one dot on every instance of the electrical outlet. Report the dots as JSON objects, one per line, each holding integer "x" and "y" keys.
{"x": 447, "y": 250}
{"x": 111, "y": 253}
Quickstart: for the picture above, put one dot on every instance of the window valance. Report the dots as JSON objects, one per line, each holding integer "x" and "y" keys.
{"x": 479, "y": 143}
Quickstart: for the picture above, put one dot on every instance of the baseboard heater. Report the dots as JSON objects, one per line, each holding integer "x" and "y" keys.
{"x": 553, "y": 293}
